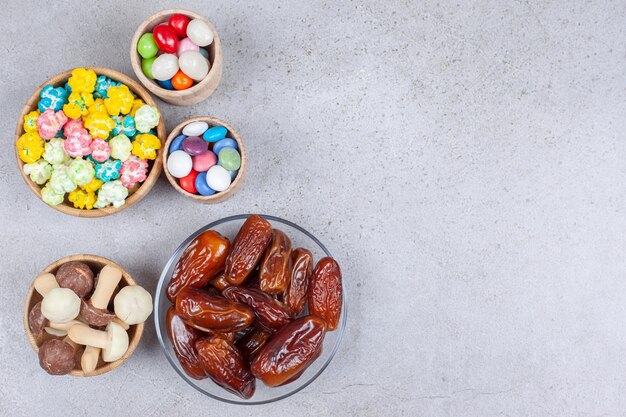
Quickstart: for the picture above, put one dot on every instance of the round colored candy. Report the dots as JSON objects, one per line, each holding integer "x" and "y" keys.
{"x": 188, "y": 182}
{"x": 181, "y": 81}
{"x": 215, "y": 133}
{"x": 218, "y": 178}
{"x": 201, "y": 186}
{"x": 194, "y": 65}
{"x": 230, "y": 159}
{"x": 204, "y": 161}
{"x": 167, "y": 84}
{"x": 165, "y": 38}
{"x": 146, "y": 46}
{"x": 179, "y": 22}
{"x": 177, "y": 143}
{"x": 233, "y": 174}
{"x": 186, "y": 45}
{"x": 204, "y": 53}
{"x": 179, "y": 164}
{"x": 224, "y": 143}
{"x": 165, "y": 67}
{"x": 194, "y": 145}
{"x": 199, "y": 32}
{"x": 146, "y": 66}
{"x": 195, "y": 128}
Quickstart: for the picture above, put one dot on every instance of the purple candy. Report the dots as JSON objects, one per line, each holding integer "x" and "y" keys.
{"x": 195, "y": 145}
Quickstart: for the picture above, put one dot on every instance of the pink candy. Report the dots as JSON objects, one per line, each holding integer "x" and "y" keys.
{"x": 49, "y": 123}
{"x": 78, "y": 143}
{"x": 72, "y": 126}
{"x": 186, "y": 45}
{"x": 134, "y": 170}
{"x": 204, "y": 161}
{"x": 100, "y": 150}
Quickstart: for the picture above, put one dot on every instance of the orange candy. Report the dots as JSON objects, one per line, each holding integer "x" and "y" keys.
{"x": 181, "y": 81}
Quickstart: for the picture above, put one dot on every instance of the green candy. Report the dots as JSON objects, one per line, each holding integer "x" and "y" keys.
{"x": 146, "y": 46}
{"x": 146, "y": 67}
{"x": 230, "y": 159}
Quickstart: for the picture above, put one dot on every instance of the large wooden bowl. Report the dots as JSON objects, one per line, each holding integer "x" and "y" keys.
{"x": 234, "y": 186}
{"x": 96, "y": 263}
{"x": 199, "y": 91}
{"x": 135, "y": 194}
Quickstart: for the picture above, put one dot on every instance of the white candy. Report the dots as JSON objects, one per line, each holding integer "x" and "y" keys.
{"x": 179, "y": 164}
{"x": 200, "y": 33}
{"x": 193, "y": 64}
{"x": 218, "y": 178}
{"x": 165, "y": 67}
{"x": 195, "y": 128}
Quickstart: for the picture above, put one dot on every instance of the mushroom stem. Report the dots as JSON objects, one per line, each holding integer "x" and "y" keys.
{"x": 66, "y": 339}
{"x": 85, "y": 335}
{"x": 89, "y": 360}
{"x": 64, "y": 326}
{"x": 107, "y": 282}
{"x": 44, "y": 283}
{"x": 124, "y": 325}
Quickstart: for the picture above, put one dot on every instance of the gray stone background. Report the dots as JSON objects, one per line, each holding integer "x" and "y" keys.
{"x": 465, "y": 161}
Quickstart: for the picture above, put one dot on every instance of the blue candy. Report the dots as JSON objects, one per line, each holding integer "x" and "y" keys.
{"x": 233, "y": 174}
{"x": 52, "y": 98}
{"x": 108, "y": 170}
{"x": 204, "y": 53}
{"x": 167, "y": 84}
{"x": 215, "y": 133}
{"x": 177, "y": 143}
{"x": 125, "y": 125}
{"x": 224, "y": 143}
{"x": 103, "y": 83}
{"x": 201, "y": 186}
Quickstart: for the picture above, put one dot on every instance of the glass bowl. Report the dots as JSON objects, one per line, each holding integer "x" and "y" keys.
{"x": 228, "y": 227}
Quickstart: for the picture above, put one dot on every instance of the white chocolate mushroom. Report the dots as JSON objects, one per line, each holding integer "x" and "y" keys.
{"x": 60, "y": 329}
{"x": 133, "y": 304}
{"x": 89, "y": 360}
{"x": 60, "y": 305}
{"x": 113, "y": 341}
{"x": 44, "y": 283}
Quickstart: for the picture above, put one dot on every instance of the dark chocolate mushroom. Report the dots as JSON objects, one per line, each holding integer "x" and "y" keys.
{"x": 76, "y": 276}
{"x": 36, "y": 321}
{"x": 57, "y": 357}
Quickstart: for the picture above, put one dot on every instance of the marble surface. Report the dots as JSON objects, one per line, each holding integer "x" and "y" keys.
{"x": 465, "y": 161}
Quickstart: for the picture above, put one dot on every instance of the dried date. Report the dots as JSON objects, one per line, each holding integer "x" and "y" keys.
{"x": 247, "y": 249}
{"x": 211, "y": 313}
{"x": 296, "y": 295}
{"x": 184, "y": 338}
{"x": 269, "y": 312}
{"x": 275, "y": 270}
{"x": 325, "y": 292}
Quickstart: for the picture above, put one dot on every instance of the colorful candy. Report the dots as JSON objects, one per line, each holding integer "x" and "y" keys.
{"x": 30, "y": 121}
{"x": 100, "y": 150}
{"x": 93, "y": 186}
{"x": 167, "y": 84}
{"x": 103, "y": 83}
{"x": 186, "y": 45}
{"x": 81, "y": 171}
{"x": 78, "y": 143}
{"x": 230, "y": 159}
{"x": 204, "y": 161}
{"x": 179, "y": 22}
{"x": 146, "y": 118}
{"x": 224, "y": 143}
{"x": 146, "y": 145}
{"x": 39, "y": 171}
{"x": 61, "y": 181}
{"x": 125, "y": 125}
{"x": 188, "y": 182}
{"x": 52, "y": 98}
{"x": 215, "y": 133}
{"x": 112, "y": 193}
{"x": 179, "y": 164}
{"x": 194, "y": 145}
{"x": 30, "y": 147}
{"x": 194, "y": 65}
{"x": 51, "y": 197}
{"x": 120, "y": 100}
{"x": 82, "y": 80}
{"x": 201, "y": 185}
{"x": 82, "y": 199}
{"x": 165, "y": 38}
{"x": 199, "y": 32}
{"x": 108, "y": 170}
{"x": 146, "y": 66}
{"x": 99, "y": 124}
{"x": 181, "y": 81}
{"x": 49, "y": 123}
{"x": 177, "y": 143}
{"x": 218, "y": 178}
{"x": 121, "y": 147}
{"x": 134, "y": 170}
{"x": 54, "y": 152}
{"x": 165, "y": 67}
{"x": 78, "y": 104}
{"x": 146, "y": 46}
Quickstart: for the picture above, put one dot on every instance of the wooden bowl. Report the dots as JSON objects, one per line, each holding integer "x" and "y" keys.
{"x": 199, "y": 91}
{"x": 134, "y": 195}
{"x": 234, "y": 186}
{"x": 96, "y": 263}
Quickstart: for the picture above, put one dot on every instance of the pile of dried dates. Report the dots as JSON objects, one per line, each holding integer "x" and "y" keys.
{"x": 239, "y": 309}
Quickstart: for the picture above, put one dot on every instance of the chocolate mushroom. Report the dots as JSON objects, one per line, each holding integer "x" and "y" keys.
{"x": 38, "y": 323}
{"x": 133, "y": 304}
{"x": 57, "y": 357}
{"x": 60, "y": 305}
{"x": 76, "y": 276}
{"x": 94, "y": 311}
{"x": 44, "y": 283}
{"x": 113, "y": 341}
{"x": 89, "y": 360}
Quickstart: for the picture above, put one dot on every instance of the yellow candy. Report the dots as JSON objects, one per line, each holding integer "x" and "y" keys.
{"x": 30, "y": 147}
{"x": 120, "y": 100}
{"x": 136, "y": 105}
{"x": 145, "y": 146}
{"x": 78, "y": 105}
{"x": 96, "y": 107}
{"x": 82, "y": 80}
{"x": 82, "y": 199}
{"x": 92, "y": 186}
{"x": 30, "y": 121}
{"x": 99, "y": 124}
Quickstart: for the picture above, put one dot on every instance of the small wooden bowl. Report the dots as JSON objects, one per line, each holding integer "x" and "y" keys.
{"x": 234, "y": 186}
{"x": 134, "y": 195}
{"x": 198, "y": 92}
{"x": 96, "y": 263}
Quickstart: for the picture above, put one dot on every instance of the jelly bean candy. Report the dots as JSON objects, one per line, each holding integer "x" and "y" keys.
{"x": 97, "y": 106}
{"x": 93, "y": 186}
{"x": 49, "y": 123}
{"x": 54, "y": 152}
{"x": 146, "y": 118}
{"x": 99, "y": 124}
{"x": 108, "y": 170}
{"x": 181, "y": 81}
{"x": 77, "y": 144}
{"x": 112, "y": 192}
{"x": 30, "y": 147}
{"x": 134, "y": 170}
{"x": 78, "y": 104}
{"x": 146, "y": 145}
{"x": 103, "y": 83}
{"x": 81, "y": 171}
{"x": 51, "y": 197}
{"x": 120, "y": 100}
{"x": 100, "y": 150}
{"x": 125, "y": 125}
{"x": 178, "y": 22}
{"x": 185, "y": 45}
{"x": 52, "y": 98}
{"x": 146, "y": 66}
{"x": 137, "y": 104}
{"x": 60, "y": 180}
{"x": 167, "y": 84}
{"x": 82, "y": 199}
{"x": 39, "y": 171}
{"x": 82, "y": 80}
{"x": 30, "y": 121}
{"x": 165, "y": 38}
{"x": 120, "y": 147}
{"x": 146, "y": 46}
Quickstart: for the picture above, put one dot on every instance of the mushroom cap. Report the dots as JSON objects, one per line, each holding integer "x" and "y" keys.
{"x": 117, "y": 343}
{"x": 77, "y": 276}
{"x": 57, "y": 357}
{"x": 95, "y": 316}
{"x": 36, "y": 320}
{"x": 60, "y": 305}
{"x": 133, "y": 304}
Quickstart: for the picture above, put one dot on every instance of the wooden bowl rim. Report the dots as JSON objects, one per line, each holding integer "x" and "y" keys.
{"x": 136, "y": 59}
{"x": 143, "y": 189}
{"x": 133, "y": 342}
{"x": 212, "y": 121}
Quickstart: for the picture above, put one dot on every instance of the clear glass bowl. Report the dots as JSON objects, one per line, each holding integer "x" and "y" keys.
{"x": 228, "y": 227}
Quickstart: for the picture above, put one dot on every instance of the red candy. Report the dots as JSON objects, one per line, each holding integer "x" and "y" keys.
{"x": 188, "y": 183}
{"x": 179, "y": 22}
{"x": 165, "y": 38}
